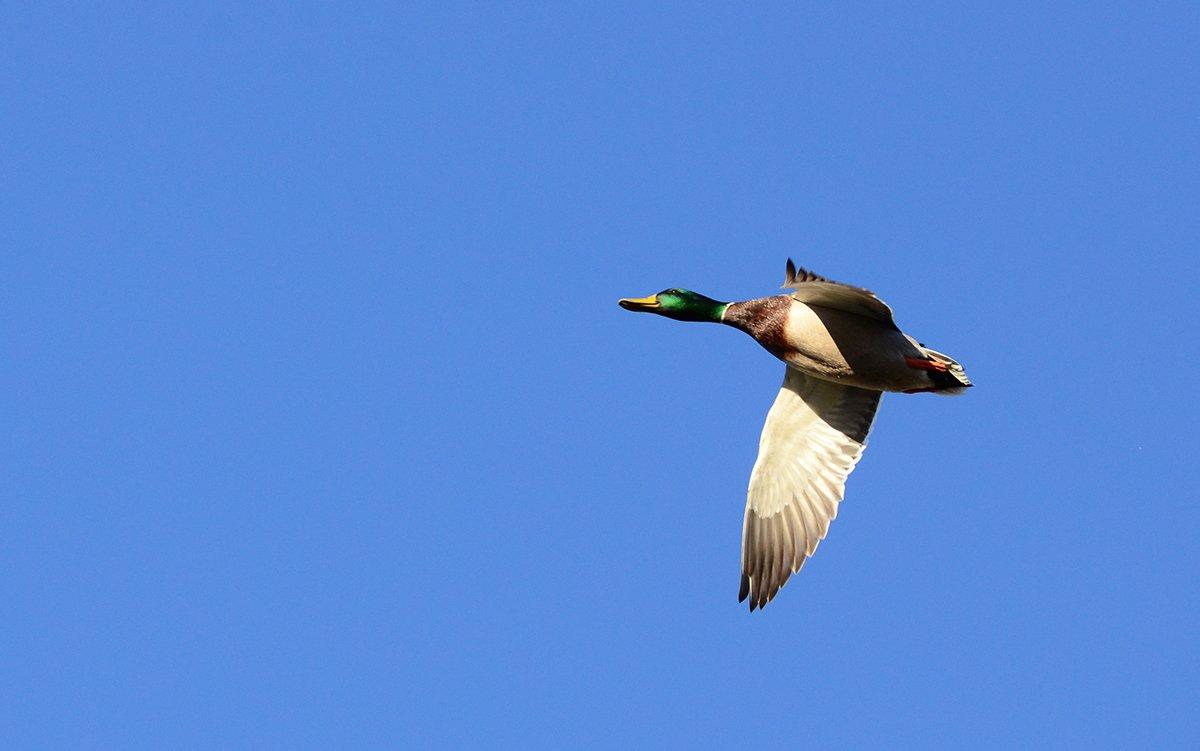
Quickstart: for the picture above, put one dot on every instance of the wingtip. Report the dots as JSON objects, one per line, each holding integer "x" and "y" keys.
{"x": 791, "y": 273}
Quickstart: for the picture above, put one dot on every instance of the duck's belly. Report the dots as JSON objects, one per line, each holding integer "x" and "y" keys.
{"x": 849, "y": 349}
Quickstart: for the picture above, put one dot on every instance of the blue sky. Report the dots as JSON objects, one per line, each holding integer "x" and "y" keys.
{"x": 323, "y": 428}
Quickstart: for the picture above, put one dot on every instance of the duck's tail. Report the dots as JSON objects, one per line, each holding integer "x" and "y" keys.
{"x": 953, "y": 380}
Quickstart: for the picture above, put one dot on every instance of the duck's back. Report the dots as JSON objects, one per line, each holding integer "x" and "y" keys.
{"x": 835, "y": 345}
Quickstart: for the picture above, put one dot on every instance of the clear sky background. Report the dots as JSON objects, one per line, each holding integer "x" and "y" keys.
{"x": 323, "y": 429}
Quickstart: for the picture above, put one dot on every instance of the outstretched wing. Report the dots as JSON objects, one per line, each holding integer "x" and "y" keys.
{"x": 814, "y": 435}
{"x": 817, "y": 290}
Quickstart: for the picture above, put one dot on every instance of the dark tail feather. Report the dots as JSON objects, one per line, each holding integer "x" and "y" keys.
{"x": 951, "y": 382}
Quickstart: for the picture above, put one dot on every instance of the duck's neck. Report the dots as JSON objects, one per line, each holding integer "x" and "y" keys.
{"x": 700, "y": 309}
{"x": 716, "y": 313}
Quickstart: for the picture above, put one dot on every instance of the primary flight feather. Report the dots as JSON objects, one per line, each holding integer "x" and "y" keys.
{"x": 842, "y": 350}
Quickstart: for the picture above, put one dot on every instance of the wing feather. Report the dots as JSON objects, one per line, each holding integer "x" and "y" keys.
{"x": 814, "y": 435}
{"x": 814, "y": 289}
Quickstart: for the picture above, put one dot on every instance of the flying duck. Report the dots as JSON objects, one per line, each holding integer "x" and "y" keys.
{"x": 842, "y": 349}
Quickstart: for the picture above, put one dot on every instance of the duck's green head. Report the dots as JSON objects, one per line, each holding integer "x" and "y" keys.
{"x": 680, "y": 304}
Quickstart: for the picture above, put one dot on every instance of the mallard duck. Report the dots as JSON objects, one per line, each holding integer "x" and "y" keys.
{"x": 842, "y": 350}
